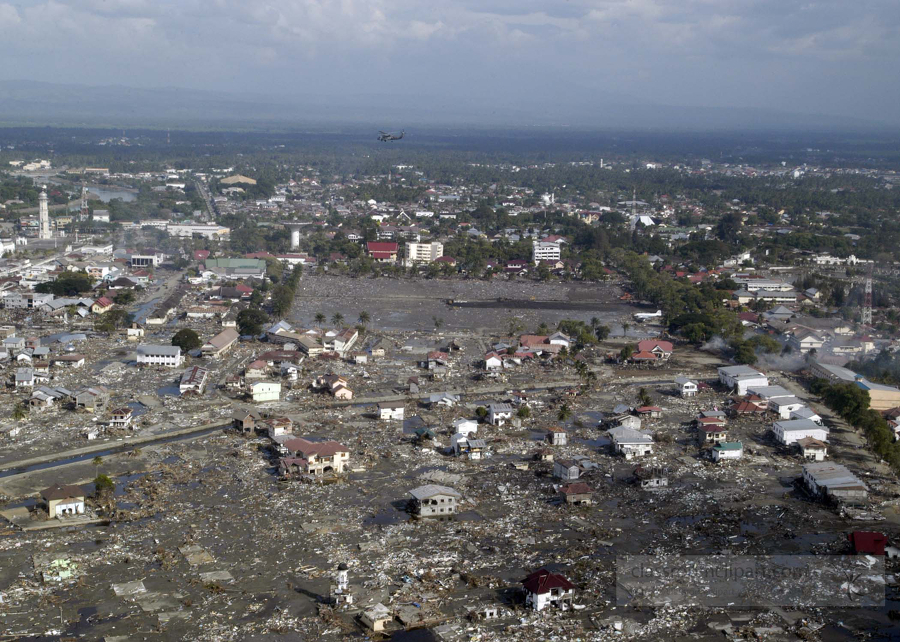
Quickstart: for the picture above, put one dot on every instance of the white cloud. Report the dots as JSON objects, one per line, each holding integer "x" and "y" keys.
{"x": 639, "y": 47}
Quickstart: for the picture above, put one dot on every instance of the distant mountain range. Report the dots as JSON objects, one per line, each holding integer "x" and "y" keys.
{"x": 38, "y": 103}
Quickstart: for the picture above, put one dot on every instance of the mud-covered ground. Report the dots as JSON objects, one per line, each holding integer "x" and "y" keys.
{"x": 407, "y": 304}
{"x": 267, "y": 549}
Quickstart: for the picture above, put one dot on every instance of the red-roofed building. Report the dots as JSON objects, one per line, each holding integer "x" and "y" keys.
{"x": 654, "y": 412}
{"x": 316, "y": 457}
{"x": 543, "y": 589}
{"x": 644, "y": 357}
{"x": 201, "y": 255}
{"x": 662, "y": 349}
{"x": 577, "y": 493}
{"x": 516, "y": 266}
{"x": 449, "y": 260}
{"x": 534, "y": 340}
{"x": 747, "y": 407}
{"x": 101, "y": 305}
{"x": 258, "y": 255}
{"x": 383, "y": 252}
{"x": 554, "y": 238}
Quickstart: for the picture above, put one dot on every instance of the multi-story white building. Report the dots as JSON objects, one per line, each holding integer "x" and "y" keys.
{"x": 169, "y": 356}
{"x": 423, "y": 252}
{"x": 544, "y": 251}
{"x": 26, "y": 300}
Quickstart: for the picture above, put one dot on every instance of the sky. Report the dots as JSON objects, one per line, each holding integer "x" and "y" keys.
{"x": 831, "y": 57}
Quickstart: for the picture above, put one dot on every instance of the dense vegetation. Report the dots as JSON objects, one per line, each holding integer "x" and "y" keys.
{"x": 852, "y": 403}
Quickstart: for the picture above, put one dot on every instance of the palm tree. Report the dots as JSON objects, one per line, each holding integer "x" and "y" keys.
{"x": 364, "y": 317}
{"x": 19, "y": 412}
{"x": 438, "y": 322}
{"x": 320, "y": 318}
{"x": 644, "y": 397}
{"x": 337, "y": 318}
{"x": 97, "y": 461}
{"x": 564, "y": 412}
{"x": 625, "y": 326}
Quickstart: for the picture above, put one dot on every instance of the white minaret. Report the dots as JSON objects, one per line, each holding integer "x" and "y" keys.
{"x": 341, "y": 590}
{"x": 43, "y": 215}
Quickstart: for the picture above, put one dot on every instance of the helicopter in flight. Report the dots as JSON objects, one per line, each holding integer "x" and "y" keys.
{"x": 387, "y": 136}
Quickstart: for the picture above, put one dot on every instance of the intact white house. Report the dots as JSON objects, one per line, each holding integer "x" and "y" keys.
{"x": 543, "y": 589}
{"x": 629, "y": 442}
{"x": 465, "y": 426}
{"x": 792, "y": 430}
{"x": 64, "y": 501}
{"x": 805, "y": 341}
{"x": 391, "y": 410}
{"x": 151, "y": 355}
{"x": 262, "y": 391}
{"x": 727, "y": 450}
{"x": 686, "y": 387}
{"x": 499, "y": 413}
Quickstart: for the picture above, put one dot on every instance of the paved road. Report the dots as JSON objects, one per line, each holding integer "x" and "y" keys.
{"x": 13, "y": 467}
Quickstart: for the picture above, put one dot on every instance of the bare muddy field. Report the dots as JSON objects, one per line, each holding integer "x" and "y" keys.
{"x": 407, "y": 304}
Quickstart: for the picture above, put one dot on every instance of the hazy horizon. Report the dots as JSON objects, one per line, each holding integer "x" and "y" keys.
{"x": 581, "y": 63}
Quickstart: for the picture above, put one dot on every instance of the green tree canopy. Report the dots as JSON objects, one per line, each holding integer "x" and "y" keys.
{"x": 187, "y": 340}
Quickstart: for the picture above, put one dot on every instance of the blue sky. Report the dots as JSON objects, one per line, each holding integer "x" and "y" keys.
{"x": 834, "y": 57}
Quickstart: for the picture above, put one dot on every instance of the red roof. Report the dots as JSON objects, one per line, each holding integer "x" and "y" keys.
{"x": 868, "y": 542}
{"x": 540, "y": 582}
{"x": 650, "y": 344}
{"x": 531, "y": 340}
{"x": 389, "y": 247}
{"x": 316, "y": 448}
{"x": 201, "y": 255}
{"x": 258, "y": 255}
{"x": 748, "y": 406}
{"x": 578, "y": 488}
{"x": 649, "y": 409}
{"x": 445, "y": 259}
{"x": 644, "y": 356}
{"x": 103, "y": 302}
{"x": 240, "y": 287}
